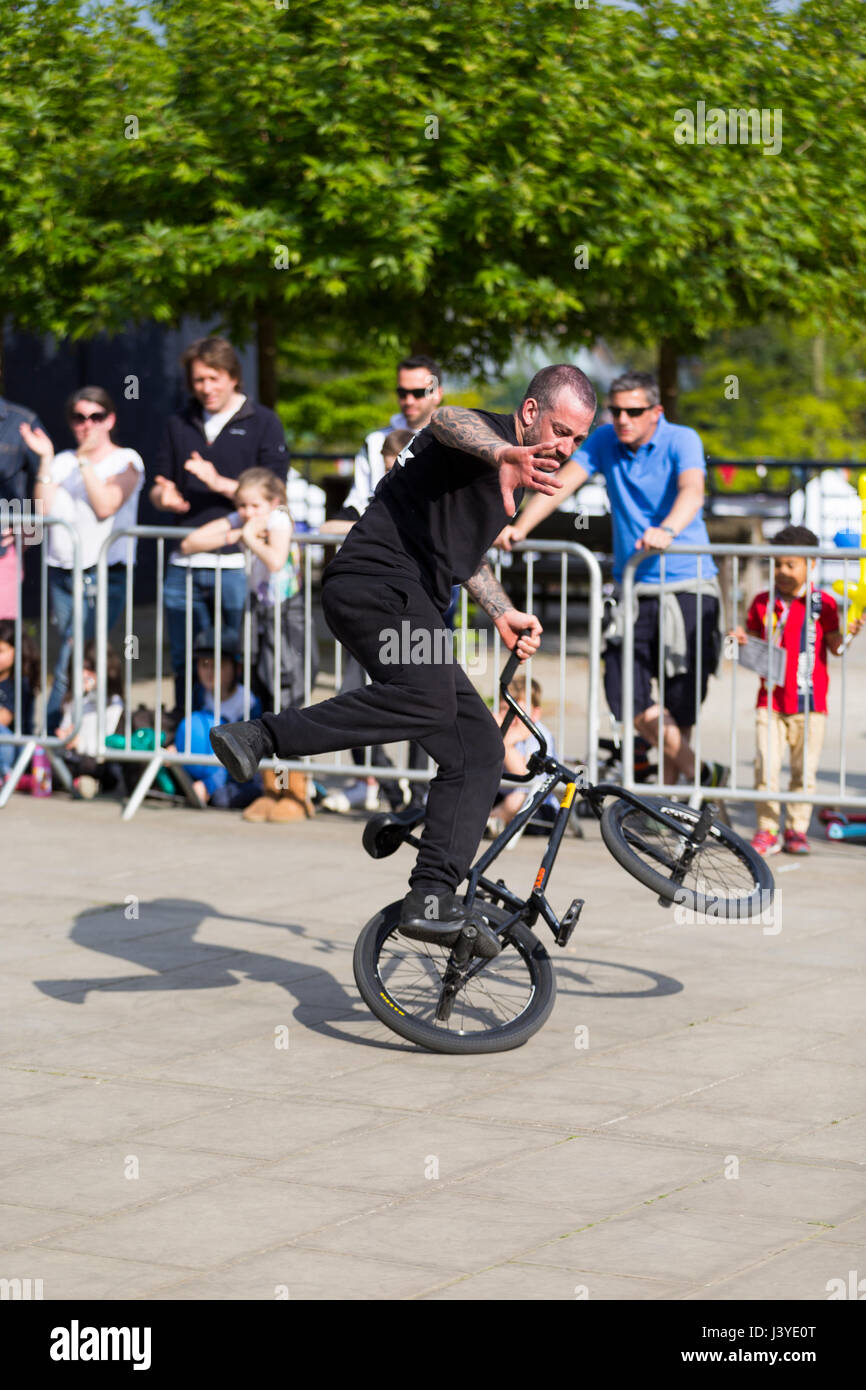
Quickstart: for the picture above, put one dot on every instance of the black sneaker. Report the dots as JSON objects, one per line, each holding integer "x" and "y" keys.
{"x": 439, "y": 918}
{"x": 240, "y": 747}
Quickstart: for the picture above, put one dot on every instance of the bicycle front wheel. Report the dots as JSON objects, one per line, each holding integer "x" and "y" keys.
{"x": 499, "y": 1007}
{"x": 725, "y": 877}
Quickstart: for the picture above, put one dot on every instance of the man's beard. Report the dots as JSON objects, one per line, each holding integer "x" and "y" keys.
{"x": 533, "y": 434}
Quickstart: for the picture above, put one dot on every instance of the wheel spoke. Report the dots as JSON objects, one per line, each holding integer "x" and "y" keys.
{"x": 413, "y": 974}
{"x": 716, "y": 870}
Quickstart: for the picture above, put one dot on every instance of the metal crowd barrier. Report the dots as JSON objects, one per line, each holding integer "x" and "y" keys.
{"x": 28, "y": 742}
{"x": 837, "y": 795}
{"x": 160, "y": 757}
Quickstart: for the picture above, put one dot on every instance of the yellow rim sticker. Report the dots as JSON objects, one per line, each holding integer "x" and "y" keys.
{"x": 391, "y": 1002}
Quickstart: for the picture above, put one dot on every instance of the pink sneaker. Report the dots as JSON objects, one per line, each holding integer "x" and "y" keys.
{"x": 796, "y": 843}
{"x": 765, "y": 842}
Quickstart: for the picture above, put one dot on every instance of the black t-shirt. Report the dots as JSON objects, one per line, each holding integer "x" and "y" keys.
{"x": 433, "y": 519}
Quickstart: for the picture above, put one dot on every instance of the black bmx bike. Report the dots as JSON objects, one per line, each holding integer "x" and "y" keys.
{"x": 449, "y": 999}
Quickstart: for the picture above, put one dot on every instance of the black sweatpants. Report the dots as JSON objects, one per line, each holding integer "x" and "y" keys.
{"x": 430, "y": 699}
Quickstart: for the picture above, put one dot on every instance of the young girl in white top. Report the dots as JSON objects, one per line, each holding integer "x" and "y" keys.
{"x": 263, "y": 526}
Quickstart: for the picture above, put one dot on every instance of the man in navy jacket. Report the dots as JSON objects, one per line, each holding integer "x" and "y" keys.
{"x": 206, "y": 447}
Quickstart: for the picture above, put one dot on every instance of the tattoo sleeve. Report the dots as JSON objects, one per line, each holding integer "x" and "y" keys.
{"x": 463, "y": 429}
{"x": 486, "y": 590}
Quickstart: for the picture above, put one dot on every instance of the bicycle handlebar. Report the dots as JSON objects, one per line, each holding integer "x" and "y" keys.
{"x": 514, "y": 709}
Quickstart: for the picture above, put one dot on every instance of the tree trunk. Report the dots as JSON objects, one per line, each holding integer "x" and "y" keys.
{"x": 266, "y": 343}
{"x": 668, "y": 377}
{"x": 818, "y": 374}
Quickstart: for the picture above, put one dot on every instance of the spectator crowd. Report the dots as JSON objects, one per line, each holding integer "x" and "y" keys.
{"x": 221, "y": 474}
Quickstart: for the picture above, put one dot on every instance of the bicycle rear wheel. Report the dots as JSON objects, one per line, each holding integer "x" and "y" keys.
{"x": 726, "y": 877}
{"x": 499, "y": 1007}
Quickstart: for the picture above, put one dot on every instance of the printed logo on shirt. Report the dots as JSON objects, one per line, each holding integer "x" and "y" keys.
{"x": 237, "y": 431}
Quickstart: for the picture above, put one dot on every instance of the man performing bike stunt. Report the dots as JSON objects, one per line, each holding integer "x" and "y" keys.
{"x": 430, "y": 525}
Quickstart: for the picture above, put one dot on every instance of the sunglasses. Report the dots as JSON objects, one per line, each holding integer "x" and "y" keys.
{"x": 419, "y": 392}
{"x": 96, "y": 418}
{"x": 632, "y": 411}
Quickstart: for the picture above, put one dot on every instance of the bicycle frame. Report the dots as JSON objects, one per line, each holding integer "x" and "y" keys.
{"x": 536, "y": 905}
{"x": 529, "y": 909}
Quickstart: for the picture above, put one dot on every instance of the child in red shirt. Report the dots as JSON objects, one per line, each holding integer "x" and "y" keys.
{"x": 805, "y": 685}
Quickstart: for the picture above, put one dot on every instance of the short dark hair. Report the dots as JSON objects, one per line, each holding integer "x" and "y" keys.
{"x": 217, "y": 353}
{"x": 795, "y": 535}
{"x": 548, "y": 384}
{"x": 395, "y": 442}
{"x": 412, "y": 364}
{"x": 113, "y": 666}
{"x": 96, "y": 396}
{"x": 637, "y": 381}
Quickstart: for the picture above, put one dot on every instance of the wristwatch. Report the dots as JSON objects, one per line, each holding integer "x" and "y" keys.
{"x": 670, "y": 530}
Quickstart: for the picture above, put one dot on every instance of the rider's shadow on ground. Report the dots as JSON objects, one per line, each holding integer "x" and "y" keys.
{"x": 175, "y": 960}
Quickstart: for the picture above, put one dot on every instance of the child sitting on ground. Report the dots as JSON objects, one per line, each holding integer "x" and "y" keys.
{"x": 29, "y": 660}
{"x": 213, "y": 784}
{"x": 804, "y": 687}
{"x": 519, "y": 744}
{"x": 89, "y": 775}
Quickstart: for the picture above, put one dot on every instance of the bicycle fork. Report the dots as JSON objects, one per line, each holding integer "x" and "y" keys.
{"x": 457, "y": 971}
{"x": 693, "y": 842}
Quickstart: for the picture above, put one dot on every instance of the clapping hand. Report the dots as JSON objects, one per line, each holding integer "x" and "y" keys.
{"x": 170, "y": 498}
{"x": 37, "y": 440}
{"x": 203, "y": 469}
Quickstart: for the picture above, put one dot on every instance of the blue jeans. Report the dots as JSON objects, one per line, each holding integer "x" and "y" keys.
{"x": 61, "y": 608}
{"x": 8, "y": 751}
{"x": 234, "y": 592}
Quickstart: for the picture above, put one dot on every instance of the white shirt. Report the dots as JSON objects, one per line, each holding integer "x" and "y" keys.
{"x": 215, "y": 422}
{"x": 72, "y": 504}
{"x": 369, "y": 466}
{"x": 269, "y": 585}
{"x": 86, "y": 741}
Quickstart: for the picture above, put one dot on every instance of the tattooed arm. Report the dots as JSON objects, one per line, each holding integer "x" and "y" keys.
{"x": 486, "y": 589}
{"x": 509, "y": 622}
{"x": 465, "y": 430}
{"x": 519, "y": 466}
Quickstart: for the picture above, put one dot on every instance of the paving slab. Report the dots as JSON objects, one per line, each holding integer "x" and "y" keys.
{"x": 179, "y": 991}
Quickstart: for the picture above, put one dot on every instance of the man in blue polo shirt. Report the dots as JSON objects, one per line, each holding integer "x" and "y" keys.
{"x": 654, "y": 472}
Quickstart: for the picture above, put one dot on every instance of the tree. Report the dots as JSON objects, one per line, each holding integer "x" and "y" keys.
{"x": 453, "y": 175}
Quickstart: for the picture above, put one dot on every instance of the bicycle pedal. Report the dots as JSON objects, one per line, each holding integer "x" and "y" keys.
{"x": 568, "y": 922}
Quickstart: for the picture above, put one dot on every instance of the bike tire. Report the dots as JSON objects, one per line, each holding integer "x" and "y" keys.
{"x": 624, "y": 826}
{"x": 405, "y": 1012}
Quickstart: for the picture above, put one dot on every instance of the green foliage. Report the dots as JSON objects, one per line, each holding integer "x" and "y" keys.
{"x": 289, "y": 161}
{"x": 791, "y": 403}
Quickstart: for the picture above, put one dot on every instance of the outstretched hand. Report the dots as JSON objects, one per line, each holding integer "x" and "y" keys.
{"x": 529, "y": 465}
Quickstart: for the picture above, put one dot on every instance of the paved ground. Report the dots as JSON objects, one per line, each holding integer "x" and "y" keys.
{"x": 158, "y": 1141}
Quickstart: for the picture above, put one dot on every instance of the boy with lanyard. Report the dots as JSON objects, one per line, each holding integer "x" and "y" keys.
{"x": 805, "y": 639}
